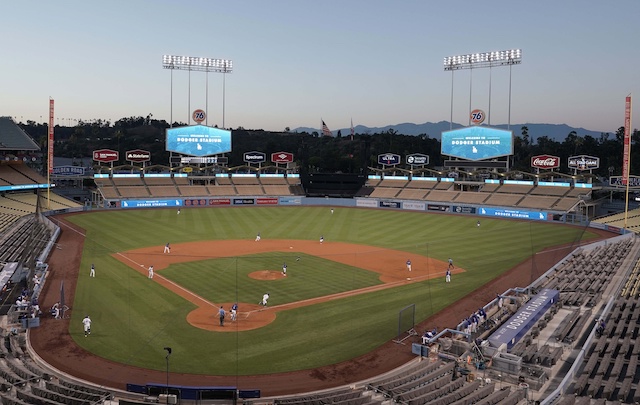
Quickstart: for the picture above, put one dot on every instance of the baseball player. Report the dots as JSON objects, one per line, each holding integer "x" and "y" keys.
{"x": 321, "y": 238}
{"x": 284, "y": 269}
{"x": 409, "y": 264}
{"x": 178, "y": 210}
{"x": 92, "y": 273}
{"x": 234, "y": 311}
{"x": 167, "y": 248}
{"x": 265, "y": 298}
{"x": 87, "y": 325}
{"x": 447, "y": 277}
{"x": 450, "y": 263}
{"x": 150, "y": 271}
{"x": 332, "y": 210}
{"x": 258, "y": 237}
{"x": 478, "y": 224}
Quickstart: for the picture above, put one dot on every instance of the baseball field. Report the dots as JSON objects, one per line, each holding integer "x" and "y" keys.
{"x": 340, "y": 298}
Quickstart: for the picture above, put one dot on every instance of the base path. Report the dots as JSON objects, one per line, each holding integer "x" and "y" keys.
{"x": 389, "y": 264}
{"x": 54, "y": 345}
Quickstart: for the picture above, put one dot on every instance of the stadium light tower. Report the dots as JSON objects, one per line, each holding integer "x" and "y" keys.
{"x": 198, "y": 64}
{"x": 483, "y": 60}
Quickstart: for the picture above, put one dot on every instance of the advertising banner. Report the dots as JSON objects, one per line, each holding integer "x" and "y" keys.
{"x": 366, "y": 203}
{"x": 195, "y": 202}
{"x": 137, "y": 155}
{"x": 282, "y": 157}
{"x": 254, "y": 157}
{"x": 106, "y": 155}
{"x": 389, "y": 204}
{"x": 584, "y": 162}
{"x": 417, "y": 159}
{"x": 243, "y": 201}
{"x": 290, "y": 200}
{"x": 416, "y": 206}
{"x": 438, "y": 207}
{"x": 545, "y": 162}
{"x": 618, "y": 181}
{"x": 219, "y": 201}
{"x": 517, "y": 214}
{"x": 68, "y": 171}
{"x": 267, "y": 201}
{"x": 464, "y": 210}
{"x": 150, "y": 203}
{"x": 388, "y": 159}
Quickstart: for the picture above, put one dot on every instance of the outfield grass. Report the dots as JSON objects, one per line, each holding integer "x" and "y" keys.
{"x": 134, "y": 319}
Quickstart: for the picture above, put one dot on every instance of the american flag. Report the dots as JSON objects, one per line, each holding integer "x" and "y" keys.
{"x": 325, "y": 130}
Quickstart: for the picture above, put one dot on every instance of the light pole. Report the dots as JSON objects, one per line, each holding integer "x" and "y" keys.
{"x": 198, "y": 64}
{"x": 483, "y": 60}
{"x": 168, "y": 349}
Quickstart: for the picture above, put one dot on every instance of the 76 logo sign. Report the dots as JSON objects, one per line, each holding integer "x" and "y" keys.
{"x": 199, "y": 115}
{"x": 477, "y": 117}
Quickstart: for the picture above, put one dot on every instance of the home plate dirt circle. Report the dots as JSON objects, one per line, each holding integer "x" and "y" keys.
{"x": 250, "y": 316}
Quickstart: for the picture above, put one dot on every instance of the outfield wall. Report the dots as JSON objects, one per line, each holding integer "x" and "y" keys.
{"x": 479, "y": 211}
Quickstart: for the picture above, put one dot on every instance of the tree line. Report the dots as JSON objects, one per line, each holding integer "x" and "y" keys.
{"x": 316, "y": 153}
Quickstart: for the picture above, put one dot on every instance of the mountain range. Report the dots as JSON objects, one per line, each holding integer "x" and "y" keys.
{"x": 557, "y": 132}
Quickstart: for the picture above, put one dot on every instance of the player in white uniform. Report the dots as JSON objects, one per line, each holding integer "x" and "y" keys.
{"x": 92, "y": 273}
{"x": 284, "y": 269}
{"x": 265, "y": 298}
{"x": 409, "y": 264}
{"x": 447, "y": 276}
{"x": 150, "y": 271}
{"x": 87, "y": 325}
{"x": 167, "y": 248}
{"x": 234, "y": 311}
{"x": 321, "y": 239}
{"x": 258, "y": 237}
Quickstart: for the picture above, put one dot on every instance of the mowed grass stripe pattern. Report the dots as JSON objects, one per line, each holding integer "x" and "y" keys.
{"x": 134, "y": 318}
{"x": 227, "y": 279}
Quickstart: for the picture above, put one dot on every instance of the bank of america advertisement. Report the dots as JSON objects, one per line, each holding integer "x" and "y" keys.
{"x": 477, "y": 143}
{"x": 198, "y": 140}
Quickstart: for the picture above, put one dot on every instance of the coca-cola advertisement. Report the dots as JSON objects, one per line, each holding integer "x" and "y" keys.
{"x": 545, "y": 162}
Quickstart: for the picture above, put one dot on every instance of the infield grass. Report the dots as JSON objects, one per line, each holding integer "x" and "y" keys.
{"x": 134, "y": 319}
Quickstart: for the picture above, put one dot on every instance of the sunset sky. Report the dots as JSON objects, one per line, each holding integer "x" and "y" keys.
{"x": 296, "y": 62}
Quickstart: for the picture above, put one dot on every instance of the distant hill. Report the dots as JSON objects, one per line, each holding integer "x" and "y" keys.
{"x": 556, "y": 132}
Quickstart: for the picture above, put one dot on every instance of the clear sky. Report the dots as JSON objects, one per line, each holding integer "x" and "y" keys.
{"x": 296, "y": 62}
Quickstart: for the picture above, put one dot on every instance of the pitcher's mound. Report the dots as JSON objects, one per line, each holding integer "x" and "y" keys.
{"x": 266, "y": 275}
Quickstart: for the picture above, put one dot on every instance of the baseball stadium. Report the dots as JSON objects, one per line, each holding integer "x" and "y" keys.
{"x": 404, "y": 285}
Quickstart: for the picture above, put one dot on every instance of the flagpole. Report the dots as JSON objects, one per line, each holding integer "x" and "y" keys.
{"x": 626, "y": 158}
{"x": 352, "y": 128}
